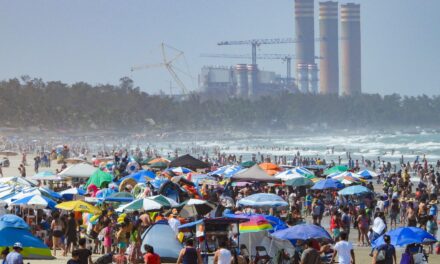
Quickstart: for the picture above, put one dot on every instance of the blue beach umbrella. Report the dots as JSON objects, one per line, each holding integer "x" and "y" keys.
{"x": 36, "y": 201}
{"x": 303, "y": 232}
{"x": 403, "y": 236}
{"x": 69, "y": 193}
{"x": 367, "y": 175}
{"x": 354, "y": 190}
{"x": 263, "y": 200}
{"x": 140, "y": 176}
{"x": 328, "y": 184}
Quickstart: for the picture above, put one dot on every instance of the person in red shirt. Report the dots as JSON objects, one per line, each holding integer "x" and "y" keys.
{"x": 150, "y": 257}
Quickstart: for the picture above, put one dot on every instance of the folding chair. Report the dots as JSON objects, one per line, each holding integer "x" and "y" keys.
{"x": 262, "y": 256}
{"x": 245, "y": 253}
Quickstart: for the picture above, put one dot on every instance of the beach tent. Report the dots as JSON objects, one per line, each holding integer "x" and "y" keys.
{"x": 80, "y": 170}
{"x": 164, "y": 241}
{"x": 188, "y": 161}
{"x": 339, "y": 168}
{"x": 254, "y": 174}
{"x": 99, "y": 178}
{"x": 46, "y": 176}
{"x": 13, "y": 229}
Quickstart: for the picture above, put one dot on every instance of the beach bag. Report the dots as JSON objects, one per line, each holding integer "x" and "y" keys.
{"x": 381, "y": 256}
{"x": 406, "y": 258}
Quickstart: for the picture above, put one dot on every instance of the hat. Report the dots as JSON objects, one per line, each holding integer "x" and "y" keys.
{"x": 433, "y": 202}
{"x": 18, "y": 245}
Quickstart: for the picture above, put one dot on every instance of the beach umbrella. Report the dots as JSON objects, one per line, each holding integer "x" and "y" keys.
{"x": 354, "y": 190}
{"x": 303, "y": 232}
{"x": 227, "y": 171}
{"x": 104, "y": 193}
{"x": 164, "y": 201}
{"x": 349, "y": 180}
{"x": 344, "y": 174}
{"x": 78, "y": 206}
{"x": 403, "y": 236}
{"x": 99, "y": 178}
{"x": 270, "y": 168}
{"x": 144, "y": 204}
{"x": 328, "y": 184}
{"x": 120, "y": 197}
{"x": 256, "y": 223}
{"x": 292, "y": 173}
{"x": 275, "y": 222}
{"x": 195, "y": 207}
{"x": 141, "y": 176}
{"x": 188, "y": 161}
{"x": 179, "y": 170}
{"x": 46, "y": 176}
{"x": 35, "y": 201}
{"x": 263, "y": 200}
{"x": 367, "y": 174}
{"x": 299, "y": 181}
{"x": 248, "y": 164}
{"x": 338, "y": 168}
{"x": 159, "y": 165}
{"x": 158, "y": 160}
{"x": 70, "y": 193}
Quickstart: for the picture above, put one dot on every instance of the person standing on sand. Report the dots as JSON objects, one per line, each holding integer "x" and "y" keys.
{"x": 22, "y": 170}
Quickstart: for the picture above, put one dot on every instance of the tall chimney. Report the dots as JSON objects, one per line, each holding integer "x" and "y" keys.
{"x": 305, "y": 34}
{"x": 329, "y": 52}
{"x": 351, "y": 49}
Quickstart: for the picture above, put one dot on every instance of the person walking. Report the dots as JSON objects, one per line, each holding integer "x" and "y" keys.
{"x": 189, "y": 254}
{"x": 222, "y": 255}
{"x": 344, "y": 250}
{"x": 386, "y": 253}
{"x": 15, "y": 256}
{"x": 310, "y": 255}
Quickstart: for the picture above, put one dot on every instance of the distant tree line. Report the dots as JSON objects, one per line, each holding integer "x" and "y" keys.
{"x": 29, "y": 102}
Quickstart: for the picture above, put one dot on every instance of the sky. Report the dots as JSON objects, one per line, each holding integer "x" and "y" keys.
{"x": 99, "y": 41}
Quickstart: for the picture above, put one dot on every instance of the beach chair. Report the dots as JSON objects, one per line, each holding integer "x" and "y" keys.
{"x": 245, "y": 253}
{"x": 261, "y": 256}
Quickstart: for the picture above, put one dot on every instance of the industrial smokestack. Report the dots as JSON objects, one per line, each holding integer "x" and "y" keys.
{"x": 242, "y": 80}
{"x": 305, "y": 31}
{"x": 329, "y": 53}
{"x": 305, "y": 37}
{"x": 351, "y": 48}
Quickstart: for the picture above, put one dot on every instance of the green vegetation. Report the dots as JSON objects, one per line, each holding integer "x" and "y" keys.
{"x": 32, "y": 102}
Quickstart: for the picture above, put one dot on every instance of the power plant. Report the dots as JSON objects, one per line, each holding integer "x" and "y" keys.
{"x": 313, "y": 74}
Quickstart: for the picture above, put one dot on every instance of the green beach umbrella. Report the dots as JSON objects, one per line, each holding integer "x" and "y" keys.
{"x": 336, "y": 169}
{"x": 248, "y": 164}
{"x": 99, "y": 178}
{"x": 297, "y": 181}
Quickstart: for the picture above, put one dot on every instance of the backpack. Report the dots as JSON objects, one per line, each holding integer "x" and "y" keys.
{"x": 381, "y": 256}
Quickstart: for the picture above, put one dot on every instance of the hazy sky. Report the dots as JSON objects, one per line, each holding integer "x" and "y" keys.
{"x": 98, "y": 41}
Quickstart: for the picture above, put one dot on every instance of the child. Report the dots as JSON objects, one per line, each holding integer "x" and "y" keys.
{"x": 74, "y": 259}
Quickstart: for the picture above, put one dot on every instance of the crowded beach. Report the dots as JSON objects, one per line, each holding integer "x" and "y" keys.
{"x": 143, "y": 206}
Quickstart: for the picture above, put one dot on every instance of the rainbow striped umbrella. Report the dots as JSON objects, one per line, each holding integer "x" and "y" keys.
{"x": 256, "y": 223}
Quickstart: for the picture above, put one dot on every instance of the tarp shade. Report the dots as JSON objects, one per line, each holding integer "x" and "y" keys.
{"x": 253, "y": 174}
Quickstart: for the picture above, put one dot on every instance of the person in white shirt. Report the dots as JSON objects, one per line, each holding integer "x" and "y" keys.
{"x": 174, "y": 223}
{"x": 344, "y": 250}
{"x": 222, "y": 255}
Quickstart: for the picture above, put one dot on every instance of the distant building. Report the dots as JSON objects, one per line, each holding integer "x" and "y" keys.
{"x": 241, "y": 81}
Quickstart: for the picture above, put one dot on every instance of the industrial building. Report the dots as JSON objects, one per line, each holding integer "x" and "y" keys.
{"x": 313, "y": 74}
{"x": 239, "y": 81}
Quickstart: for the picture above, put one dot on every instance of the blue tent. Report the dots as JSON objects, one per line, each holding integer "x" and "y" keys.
{"x": 328, "y": 184}
{"x": 13, "y": 229}
{"x": 163, "y": 239}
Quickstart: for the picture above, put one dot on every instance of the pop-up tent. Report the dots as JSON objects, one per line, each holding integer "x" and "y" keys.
{"x": 254, "y": 174}
{"x": 164, "y": 241}
{"x": 188, "y": 161}
{"x": 14, "y": 229}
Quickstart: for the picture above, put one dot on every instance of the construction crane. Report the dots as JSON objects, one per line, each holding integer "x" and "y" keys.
{"x": 284, "y": 57}
{"x": 257, "y": 42}
{"x": 169, "y": 66}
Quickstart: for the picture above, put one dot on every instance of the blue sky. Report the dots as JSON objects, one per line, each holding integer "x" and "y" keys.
{"x": 98, "y": 41}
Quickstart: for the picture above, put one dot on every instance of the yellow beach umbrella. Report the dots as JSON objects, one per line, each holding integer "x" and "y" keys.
{"x": 79, "y": 206}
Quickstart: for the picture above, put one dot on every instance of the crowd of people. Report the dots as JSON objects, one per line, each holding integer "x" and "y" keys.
{"x": 395, "y": 200}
